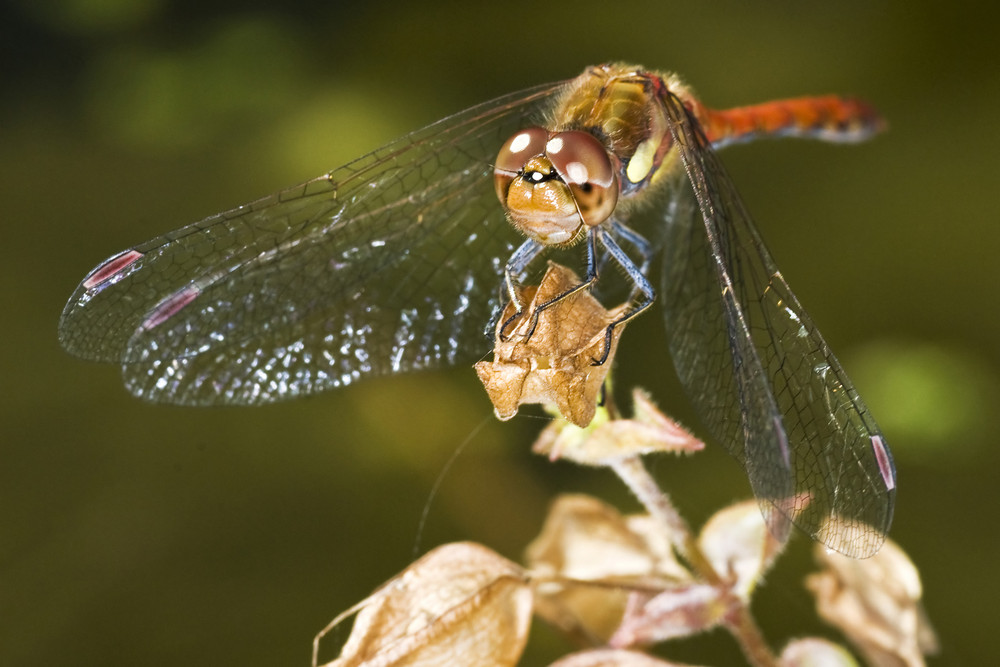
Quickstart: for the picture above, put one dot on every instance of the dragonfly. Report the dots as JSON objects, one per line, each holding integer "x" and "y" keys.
{"x": 399, "y": 260}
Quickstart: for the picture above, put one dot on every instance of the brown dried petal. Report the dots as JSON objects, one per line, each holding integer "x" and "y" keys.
{"x": 461, "y": 604}
{"x": 609, "y": 441}
{"x": 876, "y": 603}
{"x": 812, "y": 652}
{"x": 586, "y": 540}
{"x": 739, "y": 546}
{"x": 555, "y": 364}
{"x": 612, "y": 657}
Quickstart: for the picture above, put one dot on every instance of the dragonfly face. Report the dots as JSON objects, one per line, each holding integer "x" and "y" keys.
{"x": 391, "y": 263}
{"x": 553, "y": 185}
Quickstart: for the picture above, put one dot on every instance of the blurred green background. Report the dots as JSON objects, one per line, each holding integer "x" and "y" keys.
{"x": 138, "y": 534}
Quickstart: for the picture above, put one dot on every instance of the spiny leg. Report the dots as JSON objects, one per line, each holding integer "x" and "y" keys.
{"x": 638, "y": 242}
{"x": 516, "y": 265}
{"x": 637, "y": 275}
{"x": 592, "y": 273}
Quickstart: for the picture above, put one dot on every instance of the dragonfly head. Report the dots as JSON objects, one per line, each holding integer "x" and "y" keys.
{"x": 554, "y": 185}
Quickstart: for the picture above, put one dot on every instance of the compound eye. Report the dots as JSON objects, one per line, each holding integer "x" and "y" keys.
{"x": 520, "y": 148}
{"x": 583, "y": 163}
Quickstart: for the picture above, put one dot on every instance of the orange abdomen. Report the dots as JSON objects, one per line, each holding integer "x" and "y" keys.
{"x": 829, "y": 118}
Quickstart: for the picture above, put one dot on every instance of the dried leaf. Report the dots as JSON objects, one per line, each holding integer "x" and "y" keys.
{"x": 876, "y": 603}
{"x": 739, "y": 546}
{"x": 586, "y": 540}
{"x": 554, "y": 365}
{"x": 461, "y": 604}
{"x": 605, "y": 442}
{"x": 611, "y": 657}
{"x": 680, "y": 611}
{"x": 812, "y": 652}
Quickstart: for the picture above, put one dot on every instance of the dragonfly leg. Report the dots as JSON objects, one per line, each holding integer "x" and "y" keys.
{"x": 638, "y": 242}
{"x": 592, "y": 273}
{"x": 516, "y": 265}
{"x": 636, "y": 273}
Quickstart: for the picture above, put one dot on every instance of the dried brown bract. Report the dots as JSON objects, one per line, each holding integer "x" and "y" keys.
{"x": 554, "y": 363}
{"x": 876, "y": 603}
{"x": 739, "y": 546}
{"x": 461, "y": 604}
{"x": 592, "y": 558}
{"x": 608, "y": 441}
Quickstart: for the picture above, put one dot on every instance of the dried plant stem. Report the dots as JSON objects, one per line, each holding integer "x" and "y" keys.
{"x": 656, "y": 501}
{"x": 740, "y": 622}
{"x": 744, "y": 628}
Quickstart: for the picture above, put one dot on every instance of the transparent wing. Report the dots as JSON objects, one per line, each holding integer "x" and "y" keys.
{"x": 757, "y": 370}
{"x": 389, "y": 263}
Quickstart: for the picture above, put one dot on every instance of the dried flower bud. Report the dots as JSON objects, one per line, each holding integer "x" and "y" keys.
{"x": 876, "y": 603}
{"x": 459, "y": 604}
{"x": 739, "y": 546}
{"x": 585, "y": 540}
{"x": 554, "y": 365}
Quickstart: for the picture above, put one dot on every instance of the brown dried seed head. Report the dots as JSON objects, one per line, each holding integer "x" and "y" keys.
{"x": 555, "y": 364}
{"x": 460, "y": 604}
{"x": 876, "y": 602}
{"x": 588, "y": 558}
